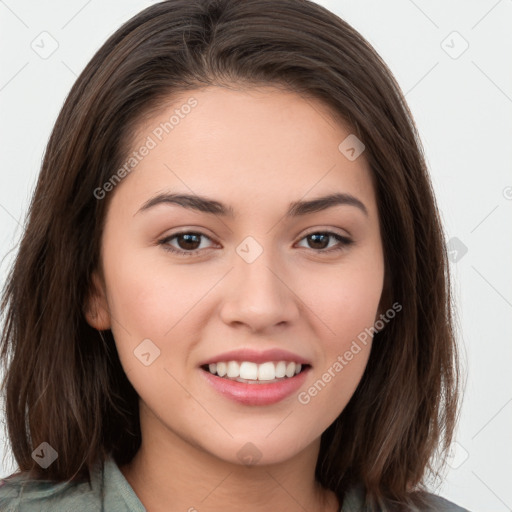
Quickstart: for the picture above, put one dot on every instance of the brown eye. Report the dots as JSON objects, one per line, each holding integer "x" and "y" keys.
{"x": 319, "y": 241}
{"x": 186, "y": 243}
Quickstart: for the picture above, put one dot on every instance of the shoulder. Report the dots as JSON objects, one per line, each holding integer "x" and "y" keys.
{"x": 17, "y": 493}
{"x": 107, "y": 490}
{"x": 355, "y": 499}
{"x": 435, "y": 503}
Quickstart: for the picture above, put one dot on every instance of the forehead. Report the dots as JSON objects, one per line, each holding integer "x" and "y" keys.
{"x": 245, "y": 144}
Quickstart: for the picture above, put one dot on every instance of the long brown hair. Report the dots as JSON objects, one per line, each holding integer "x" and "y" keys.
{"x": 64, "y": 383}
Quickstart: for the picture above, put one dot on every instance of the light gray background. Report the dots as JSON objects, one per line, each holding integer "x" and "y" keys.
{"x": 462, "y": 103}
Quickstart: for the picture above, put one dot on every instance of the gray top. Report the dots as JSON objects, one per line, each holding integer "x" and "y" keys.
{"x": 111, "y": 492}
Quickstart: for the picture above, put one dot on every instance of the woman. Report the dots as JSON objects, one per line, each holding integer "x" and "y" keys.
{"x": 299, "y": 355}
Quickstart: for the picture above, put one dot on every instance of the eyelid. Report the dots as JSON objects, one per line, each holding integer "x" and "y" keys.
{"x": 164, "y": 241}
{"x": 331, "y": 230}
{"x": 343, "y": 241}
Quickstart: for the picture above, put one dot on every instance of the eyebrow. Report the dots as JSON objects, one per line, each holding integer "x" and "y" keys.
{"x": 295, "y": 209}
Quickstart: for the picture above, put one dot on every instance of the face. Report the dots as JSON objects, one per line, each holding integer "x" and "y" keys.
{"x": 259, "y": 278}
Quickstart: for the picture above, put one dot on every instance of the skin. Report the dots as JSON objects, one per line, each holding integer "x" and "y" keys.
{"x": 256, "y": 150}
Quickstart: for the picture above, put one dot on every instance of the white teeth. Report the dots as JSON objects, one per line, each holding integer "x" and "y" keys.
{"x": 221, "y": 369}
{"x": 280, "y": 370}
{"x": 247, "y": 370}
{"x": 266, "y": 371}
{"x": 290, "y": 369}
{"x": 233, "y": 369}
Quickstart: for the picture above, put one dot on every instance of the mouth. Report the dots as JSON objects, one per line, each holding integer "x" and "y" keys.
{"x": 255, "y": 377}
{"x": 249, "y": 372}
{"x": 255, "y": 384}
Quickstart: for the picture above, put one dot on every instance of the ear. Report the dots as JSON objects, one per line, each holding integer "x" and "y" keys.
{"x": 96, "y": 310}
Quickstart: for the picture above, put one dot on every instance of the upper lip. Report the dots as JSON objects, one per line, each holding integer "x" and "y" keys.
{"x": 256, "y": 356}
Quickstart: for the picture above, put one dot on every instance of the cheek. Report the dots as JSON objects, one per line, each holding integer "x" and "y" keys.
{"x": 345, "y": 300}
{"x": 327, "y": 395}
{"x": 349, "y": 311}
{"x": 148, "y": 295}
{"x": 152, "y": 299}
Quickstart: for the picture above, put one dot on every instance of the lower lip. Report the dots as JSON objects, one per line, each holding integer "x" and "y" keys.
{"x": 256, "y": 394}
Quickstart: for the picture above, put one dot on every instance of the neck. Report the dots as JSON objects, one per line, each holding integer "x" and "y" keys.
{"x": 170, "y": 474}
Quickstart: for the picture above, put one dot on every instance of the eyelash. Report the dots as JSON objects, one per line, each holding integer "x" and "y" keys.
{"x": 344, "y": 242}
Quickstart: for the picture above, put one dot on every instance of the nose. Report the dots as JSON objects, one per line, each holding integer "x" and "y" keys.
{"x": 259, "y": 295}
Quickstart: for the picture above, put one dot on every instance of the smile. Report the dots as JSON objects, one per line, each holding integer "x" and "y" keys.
{"x": 254, "y": 391}
{"x": 250, "y": 372}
